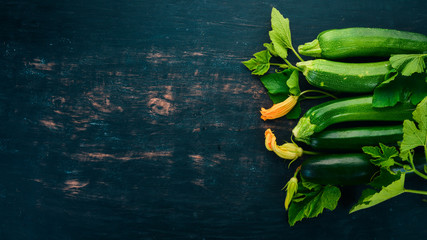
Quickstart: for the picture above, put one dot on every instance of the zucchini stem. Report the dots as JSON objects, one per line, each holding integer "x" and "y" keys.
{"x": 310, "y": 152}
{"x": 316, "y": 97}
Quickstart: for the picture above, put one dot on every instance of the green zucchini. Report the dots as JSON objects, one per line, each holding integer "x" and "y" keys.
{"x": 338, "y": 169}
{"x": 350, "y": 109}
{"x": 355, "y": 138}
{"x": 344, "y": 77}
{"x": 363, "y": 42}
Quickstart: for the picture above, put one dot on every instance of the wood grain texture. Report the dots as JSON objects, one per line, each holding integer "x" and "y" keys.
{"x": 137, "y": 120}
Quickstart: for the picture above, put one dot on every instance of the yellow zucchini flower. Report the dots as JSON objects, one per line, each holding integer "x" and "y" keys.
{"x": 291, "y": 190}
{"x": 289, "y": 151}
{"x": 279, "y": 109}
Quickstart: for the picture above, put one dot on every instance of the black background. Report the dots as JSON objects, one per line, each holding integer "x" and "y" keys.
{"x": 137, "y": 120}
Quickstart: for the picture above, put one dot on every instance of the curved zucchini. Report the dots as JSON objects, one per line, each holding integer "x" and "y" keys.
{"x": 363, "y": 42}
{"x": 338, "y": 169}
{"x": 323, "y": 115}
{"x": 344, "y": 77}
{"x": 355, "y": 138}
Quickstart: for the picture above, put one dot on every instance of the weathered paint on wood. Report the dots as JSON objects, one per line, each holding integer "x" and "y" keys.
{"x": 136, "y": 120}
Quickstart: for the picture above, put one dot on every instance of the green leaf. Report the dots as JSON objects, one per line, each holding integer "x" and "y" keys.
{"x": 275, "y": 83}
{"x": 260, "y": 64}
{"x": 280, "y": 25}
{"x": 386, "y": 186}
{"x": 280, "y": 85}
{"x": 383, "y": 155}
{"x": 280, "y": 34}
{"x": 279, "y": 45}
{"x": 293, "y": 83}
{"x": 420, "y": 114}
{"x": 407, "y": 64}
{"x": 397, "y": 88}
{"x": 419, "y": 92}
{"x": 311, "y": 202}
{"x": 310, "y": 185}
{"x": 416, "y": 87}
{"x": 270, "y": 48}
{"x": 295, "y": 112}
{"x": 412, "y": 137}
{"x": 388, "y": 93}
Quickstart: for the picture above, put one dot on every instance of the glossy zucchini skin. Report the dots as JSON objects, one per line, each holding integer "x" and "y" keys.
{"x": 350, "y": 109}
{"x": 364, "y": 42}
{"x": 356, "y": 137}
{"x": 338, "y": 169}
{"x": 344, "y": 77}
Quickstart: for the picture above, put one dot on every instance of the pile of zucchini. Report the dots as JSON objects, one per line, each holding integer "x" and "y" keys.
{"x": 367, "y": 126}
{"x": 380, "y": 125}
{"x": 337, "y": 130}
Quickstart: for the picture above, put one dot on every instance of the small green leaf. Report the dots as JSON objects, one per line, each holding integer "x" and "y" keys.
{"x": 407, "y": 64}
{"x": 280, "y": 35}
{"x": 418, "y": 93}
{"x": 330, "y": 197}
{"x": 383, "y": 155}
{"x": 293, "y": 83}
{"x": 260, "y": 64}
{"x": 281, "y": 25}
{"x": 420, "y": 114}
{"x": 310, "y": 185}
{"x": 412, "y": 137}
{"x": 270, "y": 48}
{"x": 279, "y": 45}
{"x": 386, "y": 186}
{"x": 295, "y": 112}
{"x": 311, "y": 202}
{"x": 388, "y": 93}
{"x": 416, "y": 87}
{"x": 384, "y": 179}
{"x": 275, "y": 83}
{"x": 397, "y": 88}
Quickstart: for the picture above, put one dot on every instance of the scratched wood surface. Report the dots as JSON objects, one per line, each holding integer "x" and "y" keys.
{"x": 136, "y": 120}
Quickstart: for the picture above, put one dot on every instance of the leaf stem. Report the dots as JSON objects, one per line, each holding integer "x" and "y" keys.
{"x": 398, "y": 164}
{"x": 420, "y": 174}
{"x": 415, "y": 191}
{"x": 313, "y": 97}
{"x": 411, "y": 160}
{"x": 425, "y": 149}
{"x": 281, "y": 65}
{"x": 296, "y": 54}
{"x": 290, "y": 65}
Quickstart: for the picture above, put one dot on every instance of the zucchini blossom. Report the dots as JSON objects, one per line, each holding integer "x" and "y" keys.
{"x": 291, "y": 190}
{"x": 279, "y": 109}
{"x": 289, "y": 151}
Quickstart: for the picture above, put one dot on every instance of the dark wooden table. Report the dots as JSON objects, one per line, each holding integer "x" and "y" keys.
{"x": 137, "y": 120}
